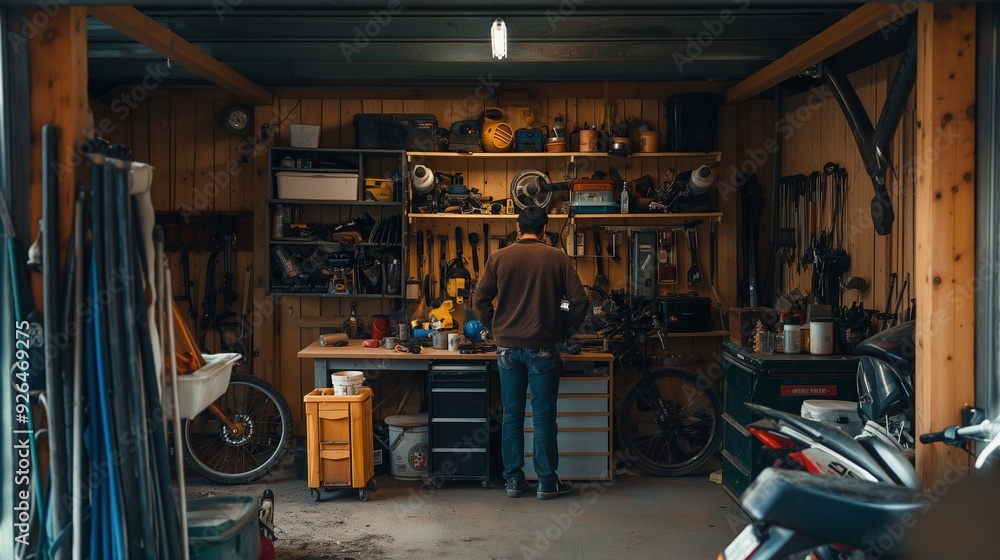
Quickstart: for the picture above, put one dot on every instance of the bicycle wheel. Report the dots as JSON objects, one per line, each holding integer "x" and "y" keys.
{"x": 675, "y": 431}
{"x": 264, "y": 426}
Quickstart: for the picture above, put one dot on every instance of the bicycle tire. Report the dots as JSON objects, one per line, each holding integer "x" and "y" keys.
{"x": 220, "y": 456}
{"x": 684, "y": 437}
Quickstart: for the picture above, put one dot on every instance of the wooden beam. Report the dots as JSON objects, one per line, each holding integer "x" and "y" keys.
{"x": 945, "y": 228}
{"x": 57, "y": 58}
{"x": 136, "y": 25}
{"x": 855, "y": 26}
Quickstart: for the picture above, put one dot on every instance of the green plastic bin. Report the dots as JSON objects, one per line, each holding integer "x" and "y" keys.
{"x": 223, "y": 528}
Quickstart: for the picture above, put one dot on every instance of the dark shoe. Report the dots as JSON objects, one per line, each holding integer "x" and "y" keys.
{"x": 560, "y": 488}
{"x": 516, "y": 487}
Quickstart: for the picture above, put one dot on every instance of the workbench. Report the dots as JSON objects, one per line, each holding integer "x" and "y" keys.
{"x": 585, "y": 397}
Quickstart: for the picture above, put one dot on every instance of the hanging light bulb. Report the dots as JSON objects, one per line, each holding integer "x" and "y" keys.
{"x": 498, "y": 36}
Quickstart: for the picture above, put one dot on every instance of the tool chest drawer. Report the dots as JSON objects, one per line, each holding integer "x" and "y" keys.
{"x": 574, "y": 442}
{"x": 460, "y": 403}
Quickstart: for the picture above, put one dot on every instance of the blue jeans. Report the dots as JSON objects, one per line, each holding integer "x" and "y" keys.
{"x": 537, "y": 369}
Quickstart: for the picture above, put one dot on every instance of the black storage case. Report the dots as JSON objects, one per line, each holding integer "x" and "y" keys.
{"x": 691, "y": 122}
{"x": 458, "y": 408}
{"x": 779, "y": 381}
{"x": 685, "y": 313}
{"x": 412, "y": 132}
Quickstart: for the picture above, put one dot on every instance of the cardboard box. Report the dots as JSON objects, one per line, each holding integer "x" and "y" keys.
{"x": 743, "y": 321}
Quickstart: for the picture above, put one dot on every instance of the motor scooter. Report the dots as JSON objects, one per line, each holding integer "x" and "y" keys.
{"x": 826, "y": 516}
{"x": 882, "y": 452}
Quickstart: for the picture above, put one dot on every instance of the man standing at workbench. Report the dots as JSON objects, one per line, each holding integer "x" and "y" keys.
{"x": 529, "y": 279}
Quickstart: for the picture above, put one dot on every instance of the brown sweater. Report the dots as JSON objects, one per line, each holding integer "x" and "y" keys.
{"x": 528, "y": 280}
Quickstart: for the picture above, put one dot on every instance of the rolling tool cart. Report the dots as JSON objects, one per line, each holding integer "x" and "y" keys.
{"x": 340, "y": 448}
{"x": 459, "y": 434}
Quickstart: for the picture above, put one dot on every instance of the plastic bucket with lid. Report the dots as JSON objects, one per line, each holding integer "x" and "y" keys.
{"x": 408, "y": 449}
{"x": 223, "y": 528}
{"x": 347, "y": 382}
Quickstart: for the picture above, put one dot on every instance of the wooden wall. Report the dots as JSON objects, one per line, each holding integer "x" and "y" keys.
{"x": 200, "y": 166}
{"x": 821, "y": 135}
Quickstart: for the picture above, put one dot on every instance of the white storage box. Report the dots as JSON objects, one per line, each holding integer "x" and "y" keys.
{"x": 197, "y": 390}
{"x": 304, "y": 135}
{"x": 317, "y": 185}
{"x": 841, "y": 413}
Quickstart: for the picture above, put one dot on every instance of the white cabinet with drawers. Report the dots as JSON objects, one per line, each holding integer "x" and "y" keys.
{"x": 585, "y": 423}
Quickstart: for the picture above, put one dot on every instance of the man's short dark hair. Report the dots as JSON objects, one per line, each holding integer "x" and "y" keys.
{"x": 532, "y": 220}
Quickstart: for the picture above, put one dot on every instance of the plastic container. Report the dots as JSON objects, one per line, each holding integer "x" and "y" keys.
{"x": 197, "y": 390}
{"x": 346, "y": 383}
{"x": 317, "y": 185}
{"x": 223, "y": 528}
{"x": 408, "y": 448}
{"x": 624, "y": 198}
{"x": 793, "y": 335}
{"x": 821, "y": 336}
{"x": 594, "y": 207}
{"x": 843, "y": 413}
{"x": 691, "y": 122}
{"x": 593, "y": 196}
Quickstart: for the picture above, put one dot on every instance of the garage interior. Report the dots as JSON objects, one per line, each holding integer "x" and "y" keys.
{"x": 161, "y": 79}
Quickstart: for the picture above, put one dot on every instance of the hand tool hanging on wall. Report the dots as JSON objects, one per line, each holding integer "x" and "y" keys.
{"x": 443, "y": 270}
{"x": 353, "y": 325}
{"x": 713, "y": 255}
{"x": 486, "y": 242}
{"x": 899, "y": 300}
{"x": 208, "y": 302}
{"x": 187, "y": 283}
{"x": 885, "y": 315}
{"x": 873, "y": 141}
{"x": 751, "y": 204}
{"x": 427, "y": 282}
{"x": 666, "y": 256}
{"x": 691, "y": 234}
{"x": 420, "y": 262}
{"x": 474, "y": 244}
{"x": 600, "y": 281}
{"x": 458, "y": 276}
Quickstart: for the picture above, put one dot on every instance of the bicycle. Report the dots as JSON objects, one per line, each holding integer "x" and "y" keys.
{"x": 669, "y": 419}
{"x": 241, "y": 436}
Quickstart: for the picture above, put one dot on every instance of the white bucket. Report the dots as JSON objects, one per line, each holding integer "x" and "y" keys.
{"x": 347, "y": 382}
{"x": 408, "y": 449}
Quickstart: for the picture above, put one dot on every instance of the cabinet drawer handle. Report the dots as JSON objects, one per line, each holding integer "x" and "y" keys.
{"x": 333, "y": 442}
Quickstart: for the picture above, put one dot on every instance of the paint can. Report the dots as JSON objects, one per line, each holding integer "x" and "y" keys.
{"x": 408, "y": 449}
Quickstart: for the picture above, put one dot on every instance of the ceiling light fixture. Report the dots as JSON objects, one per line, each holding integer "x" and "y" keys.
{"x": 498, "y": 36}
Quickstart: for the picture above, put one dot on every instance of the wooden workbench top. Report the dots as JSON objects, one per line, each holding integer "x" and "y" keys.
{"x": 354, "y": 350}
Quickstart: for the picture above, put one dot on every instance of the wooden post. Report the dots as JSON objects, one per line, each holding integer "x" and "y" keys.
{"x": 945, "y": 227}
{"x": 57, "y": 55}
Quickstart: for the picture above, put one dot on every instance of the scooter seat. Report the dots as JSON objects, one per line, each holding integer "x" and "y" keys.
{"x": 830, "y": 509}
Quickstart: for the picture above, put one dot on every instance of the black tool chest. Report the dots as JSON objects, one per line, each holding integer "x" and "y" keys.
{"x": 779, "y": 381}
{"x": 458, "y": 412}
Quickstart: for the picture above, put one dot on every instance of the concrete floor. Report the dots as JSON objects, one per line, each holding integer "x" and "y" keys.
{"x": 633, "y": 517}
